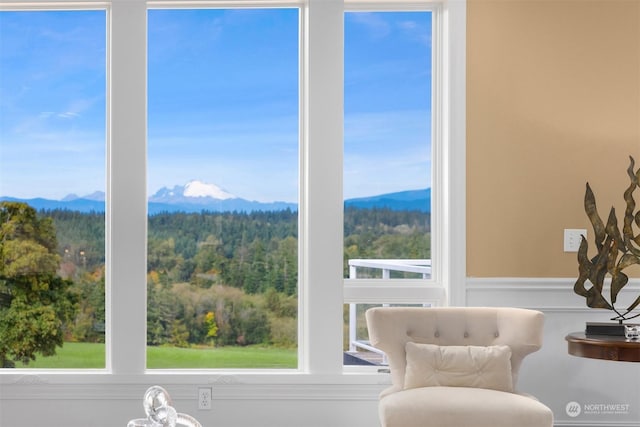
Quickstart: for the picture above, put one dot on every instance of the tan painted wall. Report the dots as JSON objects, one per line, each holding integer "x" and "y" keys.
{"x": 553, "y": 101}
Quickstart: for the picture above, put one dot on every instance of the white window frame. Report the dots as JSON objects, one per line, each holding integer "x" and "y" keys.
{"x": 322, "y": 290}
{"x": 447, "y": 151}
{"x": 433, "y": 289}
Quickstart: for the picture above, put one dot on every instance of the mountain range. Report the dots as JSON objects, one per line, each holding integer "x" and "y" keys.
{"x": 196, "y": 196}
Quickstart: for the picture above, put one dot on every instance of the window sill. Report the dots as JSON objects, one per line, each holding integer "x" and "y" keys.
{"x": 98, "y": 385}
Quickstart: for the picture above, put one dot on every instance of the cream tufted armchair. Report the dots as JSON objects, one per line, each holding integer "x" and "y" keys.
{"x": 457, "y": 366}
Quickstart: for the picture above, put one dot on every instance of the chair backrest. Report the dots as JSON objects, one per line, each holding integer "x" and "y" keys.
{"x": 390, "y": 328}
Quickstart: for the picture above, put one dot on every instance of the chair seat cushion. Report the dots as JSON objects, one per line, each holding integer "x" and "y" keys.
{"x": 462, "y": 407}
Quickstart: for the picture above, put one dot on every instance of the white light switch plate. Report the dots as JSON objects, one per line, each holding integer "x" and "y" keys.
{"x": 572, "y": 238}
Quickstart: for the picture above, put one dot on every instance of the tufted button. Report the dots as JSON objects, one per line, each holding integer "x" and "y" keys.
{"x": 437, "y": 334}
{"x": 466, "y": 334}
{"x": 497, "y": 334}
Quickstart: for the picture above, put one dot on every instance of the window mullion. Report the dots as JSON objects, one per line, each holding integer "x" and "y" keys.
{"x": 126, "y": 216}
{"x": 321, "y": 220}
{"x": 453, "y": 157}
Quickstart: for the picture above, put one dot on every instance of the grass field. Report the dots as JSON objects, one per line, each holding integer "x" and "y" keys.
{"x": 92, "y": 356}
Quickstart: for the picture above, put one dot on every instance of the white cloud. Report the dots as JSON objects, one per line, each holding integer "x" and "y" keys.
{"x": 413, "y": 30}
{"x": 376, "y": 26}
{"x": 68, "y": 115}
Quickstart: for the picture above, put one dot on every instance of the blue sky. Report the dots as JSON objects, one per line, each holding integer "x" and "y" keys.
{"x": 222, "y": 99}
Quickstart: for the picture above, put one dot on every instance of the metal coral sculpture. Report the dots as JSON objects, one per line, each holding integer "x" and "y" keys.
{"x": 616, "y": 252}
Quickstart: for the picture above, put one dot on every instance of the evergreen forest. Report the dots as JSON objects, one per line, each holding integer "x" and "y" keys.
{"x": 220, "y": 278}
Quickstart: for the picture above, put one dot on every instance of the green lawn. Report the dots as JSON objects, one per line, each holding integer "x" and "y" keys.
{"x": 223, "y": 357}
{"x": 92, "y": 356}
{"x": 71, "y": 356}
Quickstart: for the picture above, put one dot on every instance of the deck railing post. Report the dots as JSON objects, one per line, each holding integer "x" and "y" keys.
{"x": 353, "y": 274}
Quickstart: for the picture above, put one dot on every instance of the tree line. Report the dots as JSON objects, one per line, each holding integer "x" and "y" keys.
{"x": 215, "y": 278}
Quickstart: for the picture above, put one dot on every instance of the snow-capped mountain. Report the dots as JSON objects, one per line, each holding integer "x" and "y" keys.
{"x": 196, "y": 196}
{"x": 192, "y": 190}
{"x": 197, "y": 188}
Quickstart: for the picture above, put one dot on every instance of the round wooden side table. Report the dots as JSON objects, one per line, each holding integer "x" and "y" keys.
{"x": 604, "y": 347}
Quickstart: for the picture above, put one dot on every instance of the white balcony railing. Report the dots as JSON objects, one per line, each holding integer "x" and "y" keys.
{"x": 419, "y": 266}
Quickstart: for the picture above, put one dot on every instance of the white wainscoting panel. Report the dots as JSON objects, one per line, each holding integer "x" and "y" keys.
{"x": 35, "y": 403}
{"x": 580, "y": 391}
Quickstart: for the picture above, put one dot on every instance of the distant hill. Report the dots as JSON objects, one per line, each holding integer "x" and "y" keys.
{"x": 413, "y": 200}
{"x": 80, "y": 205}
{"x": 85, "y": 206}
{"x": 197, "y": 196}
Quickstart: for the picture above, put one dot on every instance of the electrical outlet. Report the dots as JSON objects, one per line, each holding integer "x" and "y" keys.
{"x": 204, "y": 398}
{"x": 573, "y": 238}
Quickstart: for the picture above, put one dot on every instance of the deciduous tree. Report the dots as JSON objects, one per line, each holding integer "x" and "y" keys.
{"x": 35, "y": 303}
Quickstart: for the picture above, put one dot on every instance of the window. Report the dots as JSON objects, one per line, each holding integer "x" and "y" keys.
{"x": 388, "y": 158}
{"x": 223, "y": 194}
{"x": 52, "y": 163}
{"x": 387, "y": 161}
{"x": 141, "y": 117}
